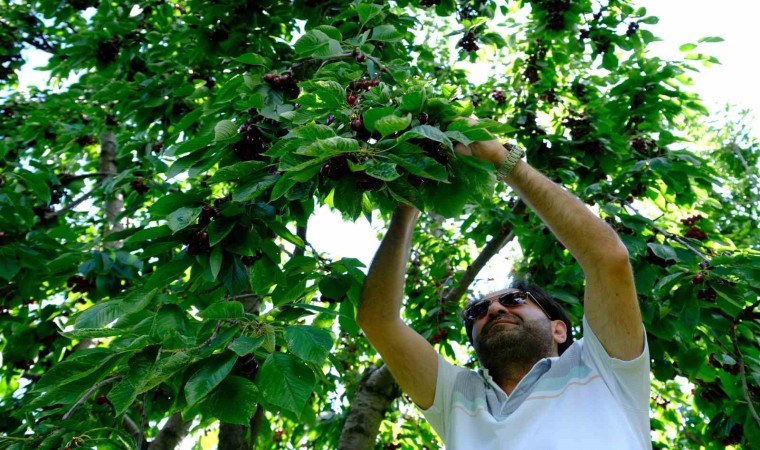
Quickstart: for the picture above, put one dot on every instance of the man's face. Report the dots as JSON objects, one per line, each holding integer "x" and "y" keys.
{"x": 514, "y": 333}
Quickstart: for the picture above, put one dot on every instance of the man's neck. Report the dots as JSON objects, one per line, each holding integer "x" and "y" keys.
{"x": 509, "y": 375}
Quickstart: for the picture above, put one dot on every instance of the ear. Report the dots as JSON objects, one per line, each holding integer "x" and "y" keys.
{"x": 559, "y": 331}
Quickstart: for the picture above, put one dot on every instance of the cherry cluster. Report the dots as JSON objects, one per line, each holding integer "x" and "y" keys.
{"x": 254, "y": 142}
{"x": 79, "y": 284}
{"x": 433, "y": 149}
{"x": 439, "y": 336}
{"x": 708, "y": 294}
{"x": 248, "y": 366}
{"x": 84, "y": 141}
{"x": 633, "y": 27}
{"x": 499, "y": 96}
{"x": 693, "y": 232}
{"x": 139, "y": 186}
{"x": 335, "y": 168}
{"x": 285, "y": 83}
{"x": 429, "y": 3}
{"x": 208, "y": 213}
{"x": 198, "y": 243}
{"x": 580, "y": 127}
{"x": 107, "y": 51}
{"x": 555, "y": 13}
{"x": 469, "y": 42}
{"x": 358, "y": 86}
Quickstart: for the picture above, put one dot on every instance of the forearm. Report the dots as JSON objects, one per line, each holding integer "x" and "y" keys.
{"x": 383, "y": 290}
{"x": 588, "y": 238}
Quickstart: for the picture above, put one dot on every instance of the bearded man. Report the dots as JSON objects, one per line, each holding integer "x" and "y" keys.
{"x": 536, "y": 389}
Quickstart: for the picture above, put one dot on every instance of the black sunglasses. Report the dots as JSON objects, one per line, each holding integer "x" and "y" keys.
{"x": 479, "y": 308}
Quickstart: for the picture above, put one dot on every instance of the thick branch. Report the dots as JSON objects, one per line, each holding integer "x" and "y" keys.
{"x": 489, "y": 251}
{"x": 171, "y": 434}
{"x": 300, "y": 232}
{"x": 232, "y": 437}
{"x": 115, "y": 206}
{"x": 375, "y": 394}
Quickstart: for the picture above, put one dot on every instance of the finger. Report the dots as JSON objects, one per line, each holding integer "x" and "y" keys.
{"x": 462, "y": 149}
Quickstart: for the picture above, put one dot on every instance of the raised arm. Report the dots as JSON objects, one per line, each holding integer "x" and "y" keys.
{"x": 411, "y": 359}
{"x": 610, "y": 301}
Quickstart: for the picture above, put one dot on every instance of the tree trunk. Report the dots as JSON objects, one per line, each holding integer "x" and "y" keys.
{"x": 232, "y": 437}
{"x": 113, "y": 206}
{"x": 373, "y": 397}
{"x": 171, "y": 434}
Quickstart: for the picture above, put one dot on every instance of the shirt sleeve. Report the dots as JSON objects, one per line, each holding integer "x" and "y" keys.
{"x": 439, "y": 413}
{"x": 628, "y": 380}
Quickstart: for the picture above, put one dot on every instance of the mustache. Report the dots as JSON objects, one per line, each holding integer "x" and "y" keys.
{"x": 502, "y": 316}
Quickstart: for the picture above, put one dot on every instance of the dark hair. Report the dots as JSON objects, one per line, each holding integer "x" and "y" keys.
{"x": 551, "y": 306}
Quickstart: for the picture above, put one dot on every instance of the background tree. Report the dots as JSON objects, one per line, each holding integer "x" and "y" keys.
{"x": 230, "y": 121}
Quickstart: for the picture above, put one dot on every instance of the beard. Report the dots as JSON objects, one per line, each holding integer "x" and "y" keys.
{"x": 506, "y": 349}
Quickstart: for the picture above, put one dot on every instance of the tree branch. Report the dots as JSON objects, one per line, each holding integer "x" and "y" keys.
{"x": 375, "y": 393}
{"x": 660, "y": 230}
{"x": 171, "y": 434}
{"x": 87, "y": 394}
{"x": 743, "y": 375}
{"x": 489, "y": 251}
{"x": 74, "y": 203}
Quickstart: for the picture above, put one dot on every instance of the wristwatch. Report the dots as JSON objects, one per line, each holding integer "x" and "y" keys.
{"x": 514, "y": 153}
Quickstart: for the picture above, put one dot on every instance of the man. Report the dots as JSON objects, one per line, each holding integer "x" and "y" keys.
{"x": 526, "y": 396}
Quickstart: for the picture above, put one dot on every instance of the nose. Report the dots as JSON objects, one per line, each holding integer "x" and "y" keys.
{"x": 496, "y": 308}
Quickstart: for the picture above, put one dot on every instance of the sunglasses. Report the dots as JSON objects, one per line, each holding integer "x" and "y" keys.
{"x": 479, "y": 308}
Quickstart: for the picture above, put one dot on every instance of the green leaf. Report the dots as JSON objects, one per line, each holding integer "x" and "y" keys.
{"x": 312, "y": 41}
{"x": 391, "y": 124}
{"x": 330, "y": 94}
{"x": 286, "y": 382}
{"x": 687, "y": 47}
{"x": 224, "y": 130}
{"x": 183, "y": 218}
{"x": 309, "y": 343}
{"x": 35, "y": 183}
{"x": 413, "y": 100}
{"x": 313, "y": 132}
{"x": 8, "y": 267}
{"x": 76, "y": 366}
{"x": 254, "y": 188}
{"x": 223, "y": 310}
{"x": 372, "y": 115}
{"x": 219, "y": 229}
{"x": 367, "y": 11}
{"x": 421, "y": 165}
{"x": 101, "y": 314}
{"x": 663, "y": 251}
{"x": 329, "y": 147}
{"x": 429, "y": 132}
{"x": 711, "y": 39}
{"x": 165, "y": 368}
{"x": 386, "y": 33}
{"x": 215, "y": 261}
{"x": 244, "y": 345}
{"x": 246, "y": 399}
{"x": 252, "y": 59}
{"x": 236, "y": 171}
{"x": 381, "y": 170}
{"x": 170, "y": 203}
{"x": 213, "y": 371}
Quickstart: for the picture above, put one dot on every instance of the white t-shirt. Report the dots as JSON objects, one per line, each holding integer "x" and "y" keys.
{"x": 584, "y": 399}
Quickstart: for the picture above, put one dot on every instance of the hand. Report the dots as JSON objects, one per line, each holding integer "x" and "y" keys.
{"x": 490, "y": 150}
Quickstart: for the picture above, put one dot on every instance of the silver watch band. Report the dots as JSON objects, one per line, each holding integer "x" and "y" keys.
{"x": 514, "y": 154}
